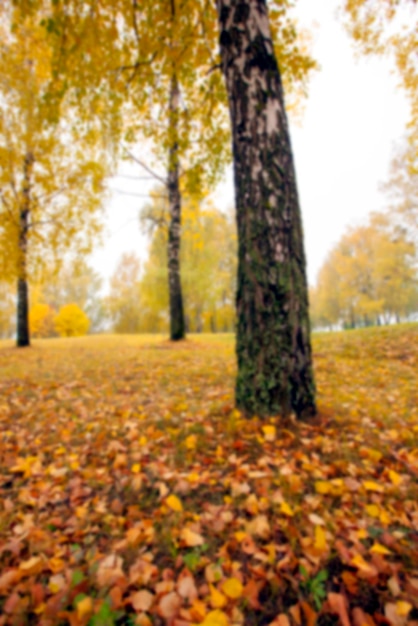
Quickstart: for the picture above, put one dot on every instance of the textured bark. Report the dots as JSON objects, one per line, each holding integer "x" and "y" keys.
{"x": 273, "y": 334}
{"x": 177, "y": 325}
{"x": 22, "y": 335}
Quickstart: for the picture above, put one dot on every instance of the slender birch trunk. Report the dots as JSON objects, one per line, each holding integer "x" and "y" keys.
{"x": 177, "y": 325}
{"x": 273, "y": 334}
{"x": 23, "y": 336}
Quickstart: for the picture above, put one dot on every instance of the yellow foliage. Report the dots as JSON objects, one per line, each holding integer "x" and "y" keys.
{"x": 71, "y": 321}
{"x": 369, "y": 276}
{"x": 41, "y": 320}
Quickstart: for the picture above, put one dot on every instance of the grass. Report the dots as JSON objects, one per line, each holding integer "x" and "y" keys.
{"x": 310, "y": 522}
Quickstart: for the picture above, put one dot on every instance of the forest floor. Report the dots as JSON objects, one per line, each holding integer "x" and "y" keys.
{"x": 132, "y": 492}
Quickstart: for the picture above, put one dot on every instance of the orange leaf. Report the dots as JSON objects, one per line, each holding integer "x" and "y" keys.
{"x": 142, "y": 600}
{"x": 169, "y": 605}
{"x": 190, "y": 538}
{"x": 338, "y": 604}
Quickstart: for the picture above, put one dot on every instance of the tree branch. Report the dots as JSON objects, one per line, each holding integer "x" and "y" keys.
{"x": 146, "y": 168}
{"x": 139, "y": 195}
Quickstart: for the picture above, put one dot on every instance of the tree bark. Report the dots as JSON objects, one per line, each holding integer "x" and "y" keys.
{"x": 22, "y": 334}
{"x": 273, "y": 331}
{"x": 177, "y": 325}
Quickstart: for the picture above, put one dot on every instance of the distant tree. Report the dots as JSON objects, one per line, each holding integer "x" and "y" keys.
{"x": 208, "y": 259}
{"x": 123, "y": 302}
{"x": 41, "y": 320}
{"x": 71, "y": 321}
{"x": 369, "y": 275}
{"x": 75, "y": 282}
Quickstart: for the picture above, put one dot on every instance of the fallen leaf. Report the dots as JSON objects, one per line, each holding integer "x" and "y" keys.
{"x": 338, "y": 605}
{"x": 217, "y": 599}
{"x": 142, "y": 600}
{"x": 84, "y": 607}
{"x": 190, "y": 538}
{"x": 216, "y": 618}
{"x": 233, "y": 588}
{"x": 174, "y": 503}
{"x": 377, "y": 548}
{"x": 320, "y": 539}
{"x": 169, "y": 605}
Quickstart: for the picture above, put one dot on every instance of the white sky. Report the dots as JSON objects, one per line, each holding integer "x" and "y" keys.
{"x": 353, "y": 115}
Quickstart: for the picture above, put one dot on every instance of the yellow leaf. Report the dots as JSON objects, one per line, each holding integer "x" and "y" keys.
{"x": 372, "y": 510}
{"x": 375, "y": 455}
{"x": 240, "y": 535}
{"x": 320, "y": 538}
{"x": 174, "y": 503}
{"x": 322, "y": 486}
{"x": 84, "y": 607}
{"x": 191, "y": 442}
{"x": 363, "y": 566}
{"x": 233, "y": 588}
{"x": 136, "y": 468}
{"x": 40, "y": 608}
{"x": 395, "y": 477}
{"x": 217, "y": 599}
{"x": 384, "y": 518}
{"x": 403, "y": 608}
{"x": 269, "y": 432}
{"x": 285, "y": 508}
{"x": 216, "y": 618}
{"x": 362, "y": 533}
{"x": 190, "y": 538}
{"x": 370, "y": 485}
{"x": 31, "y": 566}
{"x": 377, "y": 548}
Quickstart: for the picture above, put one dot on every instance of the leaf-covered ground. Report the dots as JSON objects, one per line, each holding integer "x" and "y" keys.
{"x": 132, "y": 492}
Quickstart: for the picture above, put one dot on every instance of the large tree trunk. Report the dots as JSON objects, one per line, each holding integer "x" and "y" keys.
{"x": 177, "y": 326}
{"x": 22, "y": 335}
{"x": 273, "y": 334}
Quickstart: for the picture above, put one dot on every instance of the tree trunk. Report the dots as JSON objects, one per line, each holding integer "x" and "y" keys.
{"x": 273, "y": 332}
{"x": 22, "y": 334}
{"x": 177, "y": 326}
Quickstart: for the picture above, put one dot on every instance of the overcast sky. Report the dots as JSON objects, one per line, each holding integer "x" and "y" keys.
{"x": 353, "y": 115}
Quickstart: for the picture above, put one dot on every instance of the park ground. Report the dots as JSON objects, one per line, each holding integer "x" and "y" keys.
{"x": 132, "y": 492}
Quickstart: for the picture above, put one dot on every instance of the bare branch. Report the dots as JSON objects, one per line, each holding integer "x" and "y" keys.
{"x": 139, "y": 195}
{"x": 146, "y": 168}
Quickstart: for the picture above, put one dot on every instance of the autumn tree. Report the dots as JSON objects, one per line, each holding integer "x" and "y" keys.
{"x": 273, "y": 334}
{"x": 50, "y": 174}
{"x": 71, "y": 321}
{"x": 75, "y": 281}
{"x": 123, "y": 303}
{"x": 367, "y": 277}
{"x": 208, "y": 259}
{"x": 41, "y": 320}
{"x": 183, "y": 116}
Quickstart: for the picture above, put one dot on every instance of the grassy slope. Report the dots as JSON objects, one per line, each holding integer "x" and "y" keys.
{"x": 312, "y": 522}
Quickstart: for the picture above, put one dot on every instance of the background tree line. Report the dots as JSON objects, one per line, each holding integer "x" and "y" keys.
{"x": 371, "y": 274}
